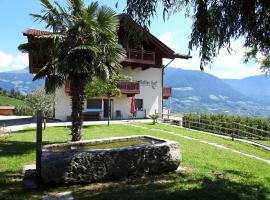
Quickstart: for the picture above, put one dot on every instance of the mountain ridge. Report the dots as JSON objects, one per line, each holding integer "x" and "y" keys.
{"x": 257, "y": 87}
{"x": 196, "y": 91}
{"x": 20, "y": 80}
{"x": 193, "y": 91}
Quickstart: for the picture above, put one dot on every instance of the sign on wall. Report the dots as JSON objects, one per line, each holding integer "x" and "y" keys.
{"x": 152, "y": 84}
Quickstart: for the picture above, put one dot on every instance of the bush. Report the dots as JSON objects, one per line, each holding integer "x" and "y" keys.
{"x": 23, "y": 110}
{"x": 39, "y": 100}
{"x": 241, "y": 126}
{"x": 154, "y": 117}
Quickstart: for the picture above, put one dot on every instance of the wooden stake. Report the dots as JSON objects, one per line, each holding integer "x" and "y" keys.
{"x": 39, "y": 143}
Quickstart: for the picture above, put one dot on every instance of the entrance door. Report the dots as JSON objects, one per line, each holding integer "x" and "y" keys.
{"x": 106, "y": 108}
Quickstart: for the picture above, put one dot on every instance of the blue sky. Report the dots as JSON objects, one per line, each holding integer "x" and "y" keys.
{"x": 14, "y": 19}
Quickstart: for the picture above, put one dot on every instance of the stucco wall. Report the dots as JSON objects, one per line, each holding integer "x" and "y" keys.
{"x": 150, "y": 92}
{"x": 62, "y": 104}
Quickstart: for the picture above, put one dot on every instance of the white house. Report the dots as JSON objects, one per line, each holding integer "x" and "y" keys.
{"x": 144, "y": 66}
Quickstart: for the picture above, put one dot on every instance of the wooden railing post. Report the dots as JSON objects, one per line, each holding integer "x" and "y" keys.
{"x": 232, "y": 131}
{"x": 38, "y": 143}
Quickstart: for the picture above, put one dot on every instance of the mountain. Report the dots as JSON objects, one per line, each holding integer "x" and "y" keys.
{"x": 19, "y": 80}
{"x": 196, "y": 91}
{"x": 193, "y": 91}
{"x": 257, "y": 87}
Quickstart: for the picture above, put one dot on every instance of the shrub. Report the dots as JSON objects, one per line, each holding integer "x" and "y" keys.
{"x": 39, "y": 100}
{"x": 154, "y": 117}
{"x": 23, "y": 110}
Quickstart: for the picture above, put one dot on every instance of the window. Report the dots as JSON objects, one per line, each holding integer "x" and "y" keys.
{"x": 94, "y": 104}
{"x": 139, "y": 104}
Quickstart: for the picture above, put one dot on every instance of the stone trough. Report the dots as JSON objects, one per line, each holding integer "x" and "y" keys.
{"x": 69, "y": 163}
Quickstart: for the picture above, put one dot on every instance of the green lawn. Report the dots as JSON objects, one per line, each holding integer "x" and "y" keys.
{"x": 264, "y": 142}
{"x": 241, "y": 146}
{"x": 8, "y": 101}
{"x": 209, "y": 172}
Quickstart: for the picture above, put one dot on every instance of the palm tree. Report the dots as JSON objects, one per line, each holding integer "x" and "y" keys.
{"x": 83, "y": 44}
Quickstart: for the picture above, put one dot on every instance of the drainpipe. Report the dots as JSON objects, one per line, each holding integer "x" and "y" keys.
{"x": 162, "y": 80}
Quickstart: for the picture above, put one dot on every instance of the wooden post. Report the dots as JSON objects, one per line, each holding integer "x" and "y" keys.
{"x": 38, "y": 143}
{"x": 232, "y": 133}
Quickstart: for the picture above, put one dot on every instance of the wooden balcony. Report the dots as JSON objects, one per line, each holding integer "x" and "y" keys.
{"x": 129, "y": 87}
{"x": 167, "y": 92}
{"x": 141, "y": 57}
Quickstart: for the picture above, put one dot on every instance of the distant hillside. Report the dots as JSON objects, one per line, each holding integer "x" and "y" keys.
{"x": 196, "y": 91}
{"x": 8, "y": 101}
{"x": 257, "y": 87}
{"x": 19, "y": 80}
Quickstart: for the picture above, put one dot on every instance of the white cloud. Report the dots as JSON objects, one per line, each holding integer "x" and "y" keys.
{"x": 10, "y": 62}
{"x": 168, "y": 39}
{"x": 226, "y": 65}
{"x": 5, "y": 59}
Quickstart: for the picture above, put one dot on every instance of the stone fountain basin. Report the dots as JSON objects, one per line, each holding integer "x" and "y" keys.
{"x": 79, "y": 165}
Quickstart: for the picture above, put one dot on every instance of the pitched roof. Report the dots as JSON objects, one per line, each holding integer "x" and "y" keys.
{"x": 163, "y": 47}
{"x": 171, "y": 54}
{"x": 35, "y": 32}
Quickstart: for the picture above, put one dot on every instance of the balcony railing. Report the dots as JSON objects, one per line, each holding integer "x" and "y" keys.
{"x": 129, "y": 87}
{"x": 167, "y": 92}
{"x": 36, "y": 62}
{"x": 142, "y": 57}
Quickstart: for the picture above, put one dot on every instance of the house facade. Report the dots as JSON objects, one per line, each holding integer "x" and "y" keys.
{"x": 143, "y": 65}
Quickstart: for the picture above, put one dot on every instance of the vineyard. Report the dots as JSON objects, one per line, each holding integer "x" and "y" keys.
{"x": 251, "y": 128}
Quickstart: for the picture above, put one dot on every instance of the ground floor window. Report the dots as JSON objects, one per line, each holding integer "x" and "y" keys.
{"x": 94, "y": 104}
{"x": 139, "y": 104}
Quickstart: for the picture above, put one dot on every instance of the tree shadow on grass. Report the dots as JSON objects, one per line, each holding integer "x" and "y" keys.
{"x": 175, "y": 186}
{"x": 14, "y": 148}
{"x": 11, "y": 187}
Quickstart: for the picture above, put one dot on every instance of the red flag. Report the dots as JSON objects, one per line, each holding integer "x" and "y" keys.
{"x": 132, "y": 106}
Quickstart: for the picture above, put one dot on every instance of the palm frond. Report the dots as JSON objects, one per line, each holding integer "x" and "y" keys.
{"x": 87, "y": 48}
{"x": 92, "y": 9}
{"x": 43, "y": 72}
{"x": 76, "y": 7}
{"x": 66, "y": 17}
{"x": 107, "y": 19}
{"x": 53, "y": 81}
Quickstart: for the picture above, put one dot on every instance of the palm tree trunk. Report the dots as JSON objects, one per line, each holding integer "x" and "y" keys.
{"x": 77, "y": 91}
{"x": 109, "y": 111}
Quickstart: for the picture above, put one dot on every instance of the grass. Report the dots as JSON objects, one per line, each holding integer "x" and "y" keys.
{"x": 8, "y": 101}
{"x": 264, "y": 142}
{"x": 241, "y": 146}
{"x": 209, "y": 172}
